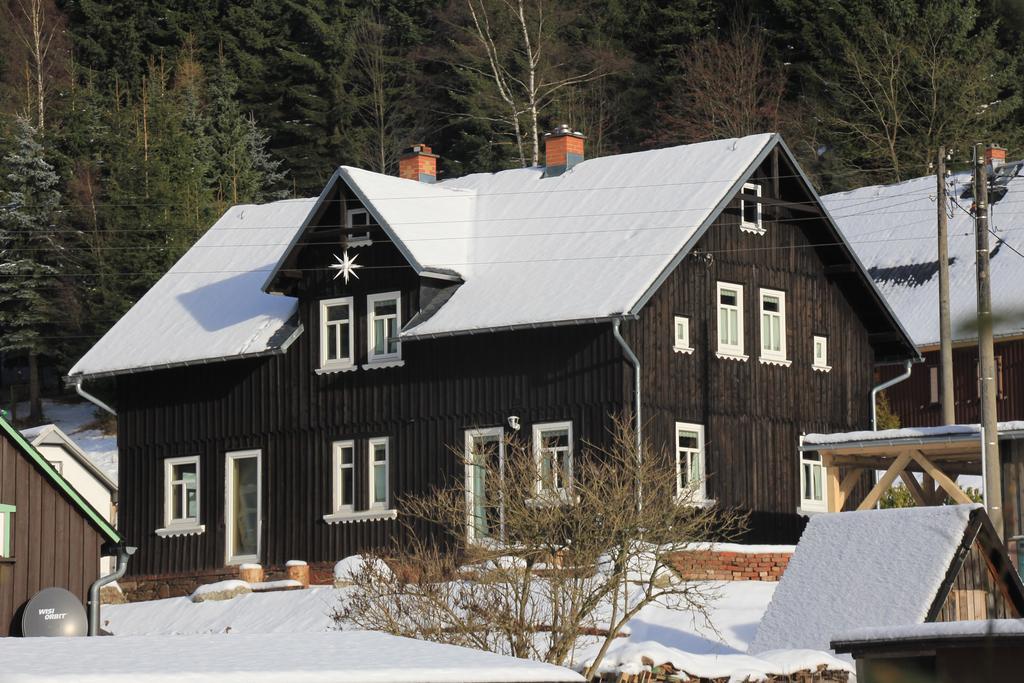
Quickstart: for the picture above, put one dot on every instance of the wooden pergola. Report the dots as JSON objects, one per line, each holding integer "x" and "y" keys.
{"x": 939, "y": 454}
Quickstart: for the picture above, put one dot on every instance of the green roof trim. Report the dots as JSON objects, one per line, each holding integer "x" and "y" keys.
{"x": 96, "y": 518}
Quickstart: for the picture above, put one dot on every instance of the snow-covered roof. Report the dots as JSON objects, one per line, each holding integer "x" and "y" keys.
{"x": 1009, "y": 429}
{"x": 856, "y": 569}
{"x": 51, "y": 434}
{"x": 585, "y": 245}
{"x": 209, "y": 305}
{"x": 893, "y": 230}
{"x": 331, "y": 657}
{"x": 997, "y": 628}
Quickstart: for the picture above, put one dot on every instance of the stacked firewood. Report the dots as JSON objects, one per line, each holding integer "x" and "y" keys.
{"x": 667, "y": 673}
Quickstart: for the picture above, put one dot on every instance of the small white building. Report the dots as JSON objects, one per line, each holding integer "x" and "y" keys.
{"x": 71, "y": 462}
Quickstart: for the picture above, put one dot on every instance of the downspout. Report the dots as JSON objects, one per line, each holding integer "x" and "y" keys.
{"x": 882, "y": 387}
{"x": 90, "y": 398}
{"x": 635, "y": 362}
{"x": 123, "y": 554}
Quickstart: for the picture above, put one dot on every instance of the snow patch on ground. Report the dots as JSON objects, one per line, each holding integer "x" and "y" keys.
{"x": 351, "y": 566}
{"x": 335, "y": 657}
{"x": 71, "y": 417}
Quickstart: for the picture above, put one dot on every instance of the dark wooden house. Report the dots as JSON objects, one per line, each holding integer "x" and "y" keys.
{"x": 892, "y": 228}
{"x": 310, "y": 361}
{"x": 49, "y": 534}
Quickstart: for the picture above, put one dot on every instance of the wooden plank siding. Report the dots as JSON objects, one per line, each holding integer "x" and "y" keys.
{"x": 975, "y": 594}
{"x": 54, "y": 544}
{"x": 911, "y": 399}
{"x": 753, "y": 413}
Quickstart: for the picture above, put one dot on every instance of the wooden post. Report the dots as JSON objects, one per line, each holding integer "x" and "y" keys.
{"x": 251, "y": 573}
{"x": 298, "y": 570}
{"x": 986, "y": 349}
{"x": 833, "y": 488}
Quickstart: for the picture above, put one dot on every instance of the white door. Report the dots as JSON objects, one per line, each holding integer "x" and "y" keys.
{"x": 243, "y": 506}
{"x": 485, "y": 514}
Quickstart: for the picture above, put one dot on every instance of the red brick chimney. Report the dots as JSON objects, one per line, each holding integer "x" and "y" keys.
{"x": 995, "y": 156}
{"x": 418, "y": 163}
{"x": 563, "y": 149}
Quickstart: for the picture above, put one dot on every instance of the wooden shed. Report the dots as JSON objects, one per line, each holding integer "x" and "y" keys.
{"x": 49, "y": 534}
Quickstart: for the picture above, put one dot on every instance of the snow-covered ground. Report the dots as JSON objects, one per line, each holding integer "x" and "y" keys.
{"x": 72, "y": 417}
{"x": 338, "y": 657}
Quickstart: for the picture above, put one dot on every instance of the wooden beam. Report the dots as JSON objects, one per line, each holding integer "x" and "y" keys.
{"x": 833, "y": 489}
{"x": 850, "y": 482}
{"x": 910, "y": 481}
{"x": 886, "y": 481}
{"x": 842, "y": 269}
{"x": 954, "y": 491}
{"x": 928, "y": 487}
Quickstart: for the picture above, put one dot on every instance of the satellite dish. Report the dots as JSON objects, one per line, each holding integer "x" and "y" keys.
{"x": 54, "y": 612}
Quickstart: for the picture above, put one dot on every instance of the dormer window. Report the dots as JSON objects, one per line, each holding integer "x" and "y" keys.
{"x": 750, "y": 211}
{"x": 337, "y": 335}
{"x": 384, "y": 324}
{"x": 354, "y": 220}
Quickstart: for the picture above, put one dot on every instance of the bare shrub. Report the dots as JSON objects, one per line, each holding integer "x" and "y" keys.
{"x": 549, "y": 565}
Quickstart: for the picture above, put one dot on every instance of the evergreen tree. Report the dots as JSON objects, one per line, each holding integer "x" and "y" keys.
{"x": 30, "y": 254}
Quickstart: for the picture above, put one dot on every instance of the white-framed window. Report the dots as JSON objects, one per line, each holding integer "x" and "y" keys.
{"x": 750, "y": 212}
{"x": 773, "y": 326}
{"x": 343, "y": 484}
{"x": 552, "y": 445}
{"x": 690, "y": 477}
{"x": 729, "y": 299}
{"x": 380, "y": 484}
{"x": 355, "y": 219}
{"x": 181, "y": 491}
{"x": 485, "y": 459}
{"x": 337, "y": 334}
{"x": 7, "y": 530}
{"x": 384, "y": 312}
{"x": 681, "y": 335}
{"x": 821, "y": 354}
{"x": 812, "y": 482}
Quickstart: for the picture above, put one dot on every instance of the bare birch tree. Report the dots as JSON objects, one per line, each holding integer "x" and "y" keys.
{"x": 38, "y": 27}
{"x": 517, "y": 51}
{"x": 562, "y": 554}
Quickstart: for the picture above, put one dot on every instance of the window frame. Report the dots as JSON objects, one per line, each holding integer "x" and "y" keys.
{"x": 822, "y": 366}
{"x": 815, "y": 462}
{"x": 755, "y": 227}
{"x": 538, "y": 430}
{"x": 470, "y": 435}
{"x": 230, "y": 559}
{"x": 371, "y": 474}
{"x": 170, "y": 522}
{"x": 681, "y": 345}
{"x": 361, "y": 240}
{"x": 701, "y": 493}
{"x": 374, "y": 359}
{"x": 337, "y": 481}
{"x": 7, "y": 526}
{"x": 772, "y": 356}
{"x": 726, "y": 350}
{"x": 338, "y": 364}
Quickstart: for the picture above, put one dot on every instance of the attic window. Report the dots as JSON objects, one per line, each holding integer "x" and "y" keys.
{"x": 385, "y": 322}
{"x": 355, "y": 219}
{"x": 337, "y": 335}
{"x": 6, "y": 531}
{"x": 750, "y": 212}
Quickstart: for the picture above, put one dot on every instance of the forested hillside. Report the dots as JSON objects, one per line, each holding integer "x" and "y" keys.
{"x": 128, "y": 126}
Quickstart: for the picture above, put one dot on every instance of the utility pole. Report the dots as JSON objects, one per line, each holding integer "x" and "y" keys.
{"x": 986, "y": 350}
{"x": 945, "y": 327}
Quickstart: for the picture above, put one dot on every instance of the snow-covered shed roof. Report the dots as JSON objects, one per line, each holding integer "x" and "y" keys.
{"x": 1013, "y": 429}
{"x": 939, "y": 630}
{"x": 328, "y": 657}
{"x": 591, "y": 244}
{"x": 893, "y": 230}
{"x": 51, "y": 434}
{"x": 855, "y": 569}
{"x": 209, "y": 305}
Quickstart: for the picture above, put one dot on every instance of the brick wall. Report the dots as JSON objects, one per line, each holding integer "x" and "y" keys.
{"x": 157, "y": 587}
{"x": 719, "y": 565}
